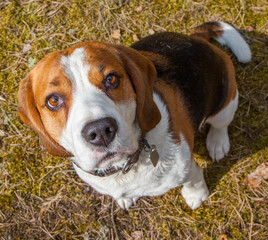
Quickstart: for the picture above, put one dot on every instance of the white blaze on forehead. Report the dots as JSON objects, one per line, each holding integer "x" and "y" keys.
{"x": 86, "y": 96}
{"x": 76, "y": 69}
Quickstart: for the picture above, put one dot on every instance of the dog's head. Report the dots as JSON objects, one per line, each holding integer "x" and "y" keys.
{"x": 91, "y": 101}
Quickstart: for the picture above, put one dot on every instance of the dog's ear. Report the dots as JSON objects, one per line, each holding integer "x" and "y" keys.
{"x": 142, "y": 74}
{"x": 30, "y": 115}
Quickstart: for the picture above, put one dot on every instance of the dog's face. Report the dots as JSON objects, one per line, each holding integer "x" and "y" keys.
{"x": 91, "y": 101}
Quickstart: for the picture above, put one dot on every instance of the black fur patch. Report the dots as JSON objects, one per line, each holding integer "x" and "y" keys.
{"x": 191, "y": 66}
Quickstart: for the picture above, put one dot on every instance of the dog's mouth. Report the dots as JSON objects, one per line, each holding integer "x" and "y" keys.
{"x": 111, "y": 169}
{"x": 107, "y": 156}
{"x": 114, "y": 157}
{"x": 108, "y": 165}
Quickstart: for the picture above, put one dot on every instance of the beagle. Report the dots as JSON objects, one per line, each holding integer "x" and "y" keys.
{"x": 126, "y": 116}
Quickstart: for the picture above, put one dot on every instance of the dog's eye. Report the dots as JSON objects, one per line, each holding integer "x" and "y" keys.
{"x": 54, "y": 102}
{"x": 111, "y": 81}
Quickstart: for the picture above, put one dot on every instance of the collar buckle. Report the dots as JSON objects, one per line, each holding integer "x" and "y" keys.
{"x": 127, "y": 166}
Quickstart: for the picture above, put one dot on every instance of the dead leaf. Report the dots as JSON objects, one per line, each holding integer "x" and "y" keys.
{"x": 253, "y": 182}
{"x": 116, "y": 34}
{"x": 223, "y": 237}
{"x": 2, "y": 133}
{"x": 135, "y": 38}
{"x": 255, "y": 178}
{"x": 2, "y": 99}
{"x": 249, "y": 29}
{"x": 137, "y": 235}
{"x": 151, "y": 31}
{"x": 138, "y": 9}
{"x": 26, "y": 47}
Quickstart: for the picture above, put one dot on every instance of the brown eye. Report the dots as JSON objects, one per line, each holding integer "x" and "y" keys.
{"x": 111, "y": 81}
{"x": 54, "y": 102}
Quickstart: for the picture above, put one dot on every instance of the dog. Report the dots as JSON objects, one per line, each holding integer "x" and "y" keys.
{"x": 126, "y": 116}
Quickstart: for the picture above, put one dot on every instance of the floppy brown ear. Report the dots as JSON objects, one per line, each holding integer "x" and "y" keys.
{"x": 30, "y": 115}
{"x": 142, "y": 75}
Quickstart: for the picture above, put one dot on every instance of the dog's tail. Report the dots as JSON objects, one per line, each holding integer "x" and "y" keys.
{"x": 227, "y": 35}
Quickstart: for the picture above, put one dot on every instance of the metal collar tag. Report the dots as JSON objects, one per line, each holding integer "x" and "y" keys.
{"x": 132, "y": 159}
{"x": 154, "y": 156}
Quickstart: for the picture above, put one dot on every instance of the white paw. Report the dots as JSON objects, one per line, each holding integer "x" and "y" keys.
{"x": 126, "y": 203}
{"x": 217, "y": 143}
{"x": 194, "y": 196}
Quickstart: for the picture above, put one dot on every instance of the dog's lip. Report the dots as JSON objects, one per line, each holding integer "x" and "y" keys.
{"x": 110, "y": 155}
{"x": 107, "y": 156}
{"x": 105, "y": 166}
{"x": 110, "y": 169}
{"x": 107, "y": 160}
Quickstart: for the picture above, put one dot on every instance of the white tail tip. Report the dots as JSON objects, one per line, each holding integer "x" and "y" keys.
{"x": 232, "y": 38}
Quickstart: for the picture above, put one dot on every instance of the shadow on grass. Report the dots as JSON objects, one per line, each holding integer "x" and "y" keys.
{"x": 248, "y": 131}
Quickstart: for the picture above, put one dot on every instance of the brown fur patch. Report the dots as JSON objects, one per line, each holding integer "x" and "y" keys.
{"x": 157, "y": 59}
{"x": 208, "y": 30}
{"x": 104, "y": 60}
{"x": 142, "y": 75}
{"x": 179, "y": 117}
{"x": 46, "y": 78}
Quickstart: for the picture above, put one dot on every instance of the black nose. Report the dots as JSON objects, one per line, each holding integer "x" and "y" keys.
{"x": 100, "y": 132}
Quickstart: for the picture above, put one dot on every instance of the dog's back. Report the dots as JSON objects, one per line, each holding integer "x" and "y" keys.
{"x": 195, "y": 67}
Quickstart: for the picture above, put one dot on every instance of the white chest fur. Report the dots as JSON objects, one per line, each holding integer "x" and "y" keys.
{"x": 144, "y": 179}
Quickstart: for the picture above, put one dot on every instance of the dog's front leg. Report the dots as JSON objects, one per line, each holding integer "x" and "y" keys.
{"x": 195, "y": 190}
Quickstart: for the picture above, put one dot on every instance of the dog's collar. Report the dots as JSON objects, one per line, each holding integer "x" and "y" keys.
{"x": 131, "y": 160}
{"x": 134, "y": 158}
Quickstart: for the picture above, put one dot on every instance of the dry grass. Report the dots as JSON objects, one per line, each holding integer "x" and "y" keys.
{"x": 42, "y": 198}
